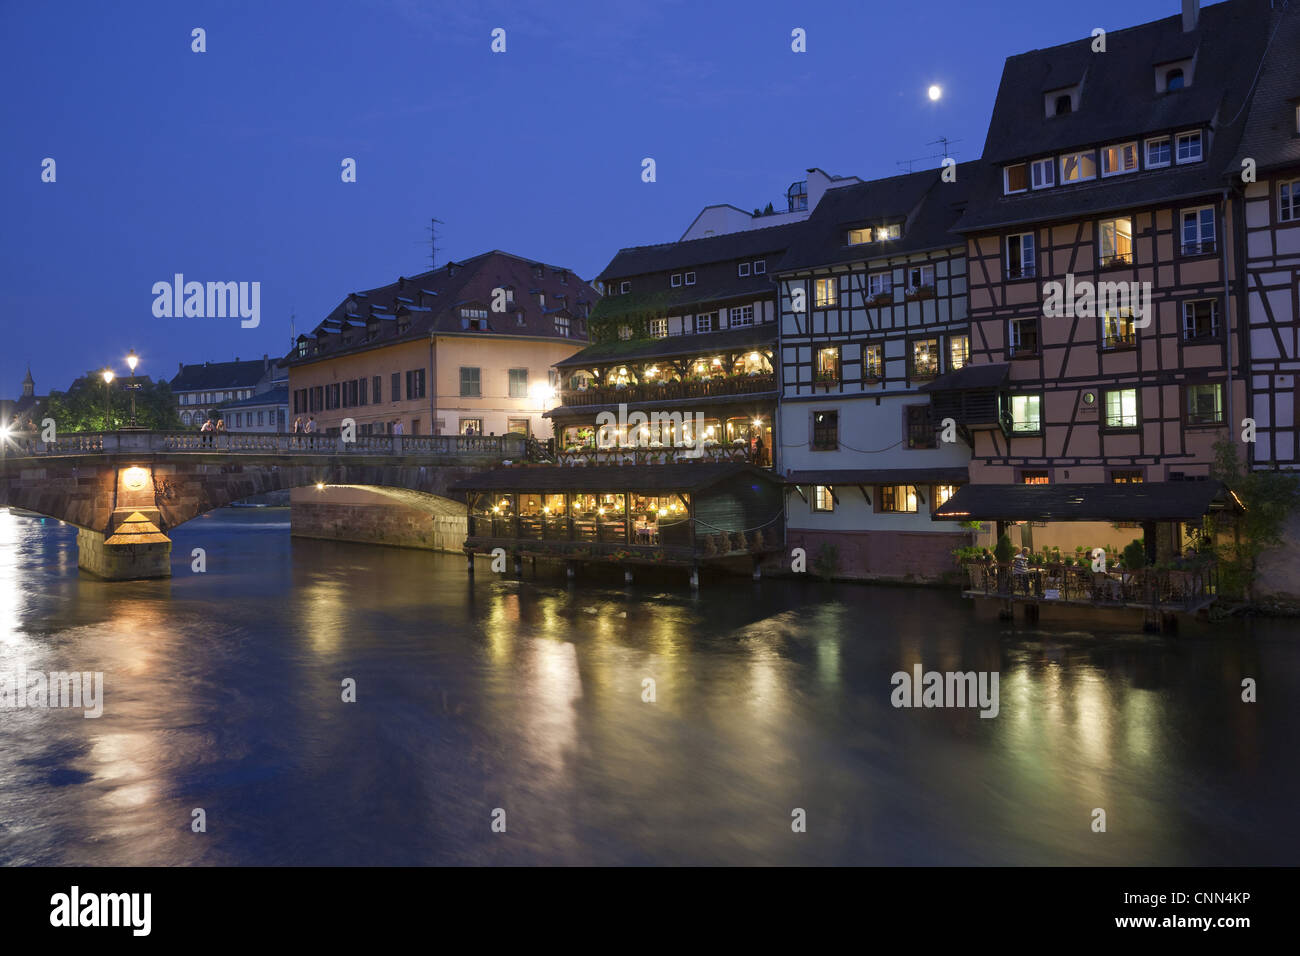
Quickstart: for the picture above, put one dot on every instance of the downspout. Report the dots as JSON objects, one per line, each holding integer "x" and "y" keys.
{"x": 1227, "y": 317}
{"x": 433, "y": 390}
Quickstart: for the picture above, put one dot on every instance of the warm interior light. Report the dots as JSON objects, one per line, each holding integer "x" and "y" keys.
{"x": 663, "y": 511}
{"x": 320, "y": 486}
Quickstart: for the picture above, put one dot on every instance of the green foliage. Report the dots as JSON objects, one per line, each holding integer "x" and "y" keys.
{"x": 976, "y": 526}
{"x": 1135, "y": 554}
{"x": 82, "y": 407}
{"x": 1004, "y": 551}
{"x": 827, "y": 561}
{"x": 1269, "y": 497}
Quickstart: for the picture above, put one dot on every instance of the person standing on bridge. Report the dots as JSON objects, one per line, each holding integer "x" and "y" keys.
{"x": 310, "y": 427}
{"x": 297, "y": 425}
{"x": 206, "y": 429}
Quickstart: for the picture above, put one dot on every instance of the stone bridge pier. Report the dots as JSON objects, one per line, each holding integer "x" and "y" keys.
{"x": 125, "y": 504}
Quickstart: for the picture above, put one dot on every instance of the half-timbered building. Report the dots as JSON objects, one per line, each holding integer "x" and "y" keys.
{"x": 1270, "y": 267}
{"x": 682, "y": 355}
{"x": 1104, "y": 326}
{"x": 873, "y": 306}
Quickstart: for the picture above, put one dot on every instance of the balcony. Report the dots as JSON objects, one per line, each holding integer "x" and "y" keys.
{"x": 1187, "y": 589}
{"x": 669, "y": 391}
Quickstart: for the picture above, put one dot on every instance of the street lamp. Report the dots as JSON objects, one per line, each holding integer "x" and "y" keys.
{"x": 108, "y": 399}
{"x": 132, "y": 360}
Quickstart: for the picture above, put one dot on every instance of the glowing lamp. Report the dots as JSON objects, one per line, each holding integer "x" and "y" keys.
{"x": 135, "y": 478}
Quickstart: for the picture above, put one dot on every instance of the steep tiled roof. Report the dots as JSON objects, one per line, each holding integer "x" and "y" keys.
{"x": 668, "y": 256}
{"x": 218, "y": 375}
{"x": 927, "y": 205}
{"x": 431, "y": 302}
{"x": 751, "y": 336}
{"x": 1270, "y": 138}
{"x": 1118, "y": 101}
{"x": 276, "y": 396}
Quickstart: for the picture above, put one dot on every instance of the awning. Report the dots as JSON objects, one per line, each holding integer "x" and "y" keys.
{"x": 970, "y": 377}
{"x": 1142, "y": 501}
{"x": 881, "y": 476}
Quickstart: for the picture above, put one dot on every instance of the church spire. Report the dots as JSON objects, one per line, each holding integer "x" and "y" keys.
{"x": 29, "y": 384}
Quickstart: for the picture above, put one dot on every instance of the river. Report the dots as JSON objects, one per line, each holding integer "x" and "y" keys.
{"x": 522, "y": 702}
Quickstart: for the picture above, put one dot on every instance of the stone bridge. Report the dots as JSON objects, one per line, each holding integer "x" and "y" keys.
{"x": 126, "y": 490}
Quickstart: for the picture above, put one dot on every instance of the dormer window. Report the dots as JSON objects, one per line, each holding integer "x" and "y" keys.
{"x": 1174, "y": 80}
{"x": 1171, "y": 77}
{"x": 625, "y": 287}
{"x": 1188, "y": 148}
{"x": 1119, "y": 159}
{"x": 1043, "y": 173}
{"x": 760, "y": 266}
{"x": 474, "y": 320}
{"x": 690, "y": 279}
{"x": 892, "y": 231}
{"x": 743, "y": 269}
{"x": 858, "y": 237}
{"x": 1061, "y": 101}
{"x": 1077, "y": 167}
{"x": 1015, "y": 178}
{"x": 1158, "y": 152}
{"x": 675, "y": 280}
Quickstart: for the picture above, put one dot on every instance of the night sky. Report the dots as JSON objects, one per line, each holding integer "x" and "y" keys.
{"x": 225, "y": 165}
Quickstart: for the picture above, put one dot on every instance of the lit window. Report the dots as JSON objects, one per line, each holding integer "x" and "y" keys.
{"x": 1118, "y": 330}
{"x": 1026, "y": 413}
{"x": 1204, "y": 404}
{"x": 823, "y": 498}
{"x": 1078, "y": 167}
{"x": 925, "y": 358}
{"x": 1121, "y": 408}
{"x": 1188, "y": 147}
{"x": 828, "y": 364}
{"x": 1116, "y": 242}
{"x": 1158, "y": 152}
{"x": 1126, "y": 477}
{"x": 872, "y": 362}
{"x": 958, "y": 351}
{"x": 942, "y": 493}
{"x": 899, "y": 499}
{"x": 1015, "y": 178}
{"x": 859, "y": 236}
{"x": 824, "y": 292}
{"x": 1119, "y": 159}
{"x": 893, "y": 231}
{"x": 658, "y": 328}
{"x": 1034, "y": 478}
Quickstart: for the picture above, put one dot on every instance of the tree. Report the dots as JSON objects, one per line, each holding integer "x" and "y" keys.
{"x": 82, "y": 407}
{"x": 1269, "y": 499}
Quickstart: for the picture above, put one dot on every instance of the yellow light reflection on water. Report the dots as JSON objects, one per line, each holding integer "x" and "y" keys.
{"x": 10, "y": 587}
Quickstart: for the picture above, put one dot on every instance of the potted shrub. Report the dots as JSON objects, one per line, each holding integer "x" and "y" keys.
{"x": 1004, "y": 550}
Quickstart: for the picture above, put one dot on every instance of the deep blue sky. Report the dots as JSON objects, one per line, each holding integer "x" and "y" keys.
{"x": 225, "y": 165}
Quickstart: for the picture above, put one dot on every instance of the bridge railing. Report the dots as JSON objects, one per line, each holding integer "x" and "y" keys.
{"x": 266, "y": 443}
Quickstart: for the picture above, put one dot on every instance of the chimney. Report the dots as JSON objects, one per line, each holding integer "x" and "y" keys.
{"x": 1191, "y": 14}
{"x": 266, "y": 361}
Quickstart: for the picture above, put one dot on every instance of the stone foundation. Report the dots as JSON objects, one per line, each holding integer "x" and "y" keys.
{"x": 123, "y": 562}
{"x": 902, "y": 556}
{"x": 373, "y": 517}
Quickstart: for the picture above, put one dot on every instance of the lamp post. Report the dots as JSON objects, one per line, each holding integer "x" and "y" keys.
{"x": 132, "y": 360}
{"x": 108, "y": 399}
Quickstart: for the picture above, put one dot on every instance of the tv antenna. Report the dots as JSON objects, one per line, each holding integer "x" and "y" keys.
{"x": 947, "y": 151}
{"x": 433, "y": 242}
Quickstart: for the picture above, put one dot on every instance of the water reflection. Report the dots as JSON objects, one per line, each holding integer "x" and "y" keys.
{"x": 224, "y": 692}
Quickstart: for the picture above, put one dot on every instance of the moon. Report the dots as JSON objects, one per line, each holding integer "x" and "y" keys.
{"x": 935, "y": 92}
